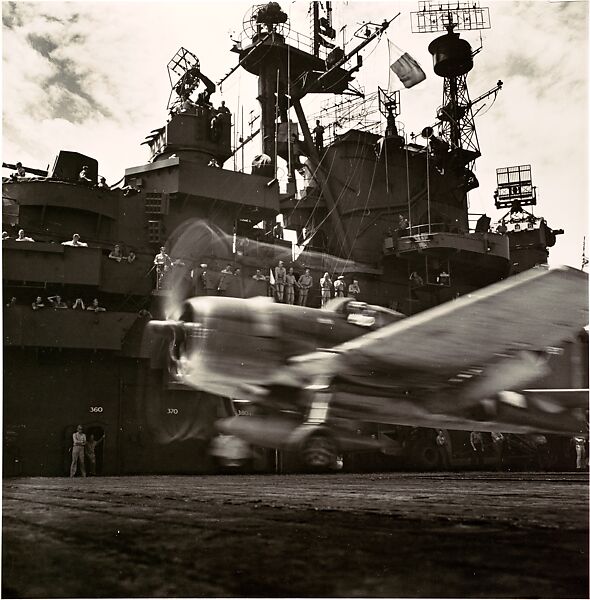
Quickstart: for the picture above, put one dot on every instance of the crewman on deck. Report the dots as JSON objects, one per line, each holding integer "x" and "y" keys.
{"x": 290, "y": 282}
{"x": 102, "y": 184}
{"x": 95, "y": 306}
{"x": 326, "y": 288}
{"x": 75, "y": 242}
{"x": 304, "y": 284}
{"x": 339, "y": 287}
{"x": 476, "y": 441}
{"x": 258, "y": 276}
{"x": 20, "y": 170}
{"x": 225, "y": 280}
{"x": 162, "y": 263}
{"x": 21, "y": 237}
{"x": 280, "y": 278}
{"x": 116, "y": 253}
{"x": 354, "y": 289}
{"x": 277, "y": 231}
{"x": 79, "y": 443}
{"x": 580, "y": 446}
{"x": 443, "y": 448}
{"x": 91, "y": 445}
{"x": 498, "y": 441}
{"x": 131, "y": 257}
{"x": 78, "y": 304}
{"x": 83, "y": 176}
{"x": 318, "y": 132}
{"x": 223, "y": 109}
{"x": 57, "y": 302}
{"x": 38, "y": 303}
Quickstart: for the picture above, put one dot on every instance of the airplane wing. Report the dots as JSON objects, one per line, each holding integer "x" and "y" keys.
{"x": 451, "y": 357}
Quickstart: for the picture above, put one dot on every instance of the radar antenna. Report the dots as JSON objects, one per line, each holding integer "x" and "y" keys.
{"x": 265, "y": 18}
{"x": 453, "y": 59}
{"x": 185, "y": 76}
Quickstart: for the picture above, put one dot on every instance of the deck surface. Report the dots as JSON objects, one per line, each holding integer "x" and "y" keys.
{"x": 347, "y": 535}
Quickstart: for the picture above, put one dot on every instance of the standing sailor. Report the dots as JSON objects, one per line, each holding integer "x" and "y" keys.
{"x": 326, "y": 287}
{"x": 304, "y": 284}
{"x": 280, "y": 279}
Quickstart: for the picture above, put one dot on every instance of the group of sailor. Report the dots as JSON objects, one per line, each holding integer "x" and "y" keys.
{"x": 59, "y": 303}
{"x": 22, "y": 237}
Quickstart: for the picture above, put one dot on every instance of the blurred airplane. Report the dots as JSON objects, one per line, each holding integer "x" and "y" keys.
{"x": 315, "y": 374}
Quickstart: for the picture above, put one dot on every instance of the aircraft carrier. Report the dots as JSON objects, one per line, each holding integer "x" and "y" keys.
{"x": 363, "y": 198}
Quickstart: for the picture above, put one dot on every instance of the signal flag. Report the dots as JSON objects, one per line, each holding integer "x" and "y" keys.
{"x": 405, "y": 67}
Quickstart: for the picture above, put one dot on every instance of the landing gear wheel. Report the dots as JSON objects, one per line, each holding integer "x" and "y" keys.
{"x": 319, "y": 452}
{"x": 425, "y": 456}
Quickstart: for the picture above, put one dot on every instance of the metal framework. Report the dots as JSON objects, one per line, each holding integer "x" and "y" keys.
{"x": 515, "y": 184}
{"x": 438, "y": 16}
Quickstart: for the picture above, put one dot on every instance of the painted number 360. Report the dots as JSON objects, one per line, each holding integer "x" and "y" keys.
{"x": 96, "y": 409}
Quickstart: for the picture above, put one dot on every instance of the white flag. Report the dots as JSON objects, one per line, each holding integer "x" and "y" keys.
{"x": 405, "y": 67}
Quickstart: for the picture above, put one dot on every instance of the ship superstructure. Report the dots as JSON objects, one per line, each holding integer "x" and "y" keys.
{"x": 366, "y": 202}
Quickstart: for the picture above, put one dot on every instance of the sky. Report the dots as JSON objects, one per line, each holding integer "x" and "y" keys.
{"x": 91, "y": 77}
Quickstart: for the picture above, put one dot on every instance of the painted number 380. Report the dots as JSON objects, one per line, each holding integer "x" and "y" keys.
{"x": 96, "y": 409}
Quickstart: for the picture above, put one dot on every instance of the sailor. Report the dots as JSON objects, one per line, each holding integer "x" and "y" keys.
{"x": 258, "y": 276}
{"x": 225, "y": 280}
{"x": 38, "y": 304}
{"x": 238, "y": 280}
{"x": 5, "y": 235}
{"x": 290, "y": 282}
{"x": 304, "y": 284}
{"x": 498, "y": 441}
{"x": 354, "y": 289}
{"x": 131, "y": 257}
{"x": 443, "y": 278}
{"x": 116, "y": 253}
{"x": 78, "y": 304}
{"x": 580, "y": 446}
{"x": 75, "y": 241}
{"x": 318, "y": 132}
{"x": 56, "y": 302}
{"x": 162, "y": 263}
{"x": 402, "y": 225}
{"x": 326, "y": 287}
{"x": 12, "y": 302}
{"x": 79, "y": 442}
{"x": 476, "y": 441}
{"x": 95, "y": 306}
{"x": 277, "y": 231}
{"x": 207, "y": 281}
{"x": 443, "y": 448}
{"x": 213, "y": 163}
{"x": 280, "y": 277}
{"x": 83, "y": 176}
{"x": 416, "y": 279}
{"x": 339, "y": 287}
{"x": 223, "y": 109}
{"x": 102, "y": 184}
{"x": 91, "y": 445}
{"x": 21, "y": 237}
{"x": 19, "y": 174}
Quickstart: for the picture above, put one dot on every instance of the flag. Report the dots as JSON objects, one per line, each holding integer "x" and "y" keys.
{"x": 405, "y": 67}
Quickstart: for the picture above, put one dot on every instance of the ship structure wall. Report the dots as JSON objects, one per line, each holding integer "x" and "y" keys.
{"x": 148, "y": 427}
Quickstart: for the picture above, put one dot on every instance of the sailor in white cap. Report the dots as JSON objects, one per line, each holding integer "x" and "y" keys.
{"x": 339, "y": 287}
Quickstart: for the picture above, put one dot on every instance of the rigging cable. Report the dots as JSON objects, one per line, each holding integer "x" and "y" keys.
{"x": 408, "y": 185}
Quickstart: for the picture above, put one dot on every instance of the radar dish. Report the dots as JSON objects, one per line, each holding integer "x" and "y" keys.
{"x": 265, "y": 18}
